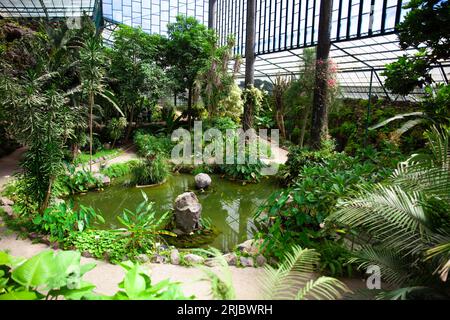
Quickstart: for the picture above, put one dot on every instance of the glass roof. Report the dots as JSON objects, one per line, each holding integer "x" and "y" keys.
{"x": 362, "y": 32}
{"x": 43, "y": 8}
{"x": 153, "y": 15}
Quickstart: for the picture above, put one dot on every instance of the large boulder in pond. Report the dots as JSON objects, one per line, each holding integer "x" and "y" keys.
{"x": 202, "y": 180}
{"x": 187, "y": 212}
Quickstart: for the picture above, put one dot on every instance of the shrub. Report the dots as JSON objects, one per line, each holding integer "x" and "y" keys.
{"x": 60, "y": 220}
{"x": 245, "y": 172}
{"x": 296, "y": 215}
{"x": 52, "y": 275}
{"x": 117, "y": 170}
{"x": 221, "y": 123}
{"x": 151, "y": 170}
{"x": 403, "y": 224}
{"x": 141, "y": 227}
{"x": 101, "y": 244}
{"x": 116, "y": 128}
{"x": 76, "y": 182}
{"x": 149, "y": 145}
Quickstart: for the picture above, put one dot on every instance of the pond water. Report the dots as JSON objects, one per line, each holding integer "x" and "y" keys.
{"x": 229, "y": 205}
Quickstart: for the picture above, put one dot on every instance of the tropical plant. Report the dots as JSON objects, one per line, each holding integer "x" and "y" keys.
{"x": 296, "y": 215}
{"x": 51, "y": 275}
{"x": 221, "y": 282}
{"x": 92, "y": 76}
{"x": 137, "y": 285}
{"x": 47, "y": 275}
{"x": 298, "y": 97}
{"x": 141, "y": 227}
{"x": 253, "y": 98}
{"x": 149, "y": 145}
{"x": 404, "y": 225}
{"x": 435, "y": 112}
{"x": 221, "y": 95}
{"x": 188, "y": 50}
{"x": 279, "y": 88}
{"x": 246, "y": 171}
{"x": 294, "y": 279}
{"x": 76, "y": 181}
{"x": 151, "y": 170}
{"x": 117, "y": 170}
{"x": 60, "y": 220}
{"x": 116, "y": 127}
{"x": 135, "y": 74}
{"x": 100, "y": 244}
{"x": 426, "y": 22}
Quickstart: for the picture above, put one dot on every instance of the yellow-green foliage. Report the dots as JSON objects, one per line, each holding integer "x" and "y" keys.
{"x": 233, "y": 105}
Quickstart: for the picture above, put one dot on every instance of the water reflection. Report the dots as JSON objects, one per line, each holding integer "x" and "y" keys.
{"x": 229, "y": 205}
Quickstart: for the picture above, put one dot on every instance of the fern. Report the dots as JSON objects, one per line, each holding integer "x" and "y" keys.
{"x": 294, "y": 279}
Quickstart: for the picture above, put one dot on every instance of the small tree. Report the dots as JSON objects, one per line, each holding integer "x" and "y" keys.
{"x": 279, "y": 88}
{"x": 116, "y": 127}
{"x": 92, "y": 75}
{"x": 428, "y": 22}
{"x": 299, "y": 95}
{"x": 188, "y": 51}
{"x": 135, "y": 70}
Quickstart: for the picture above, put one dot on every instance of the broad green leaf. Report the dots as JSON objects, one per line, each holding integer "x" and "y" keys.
{"x": 134, "y": 282}
{"x": 19, "y": 295}
{"x": 35, "y": 271}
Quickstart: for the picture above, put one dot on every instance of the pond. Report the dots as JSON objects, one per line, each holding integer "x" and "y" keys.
{"x": 228, "y": 205}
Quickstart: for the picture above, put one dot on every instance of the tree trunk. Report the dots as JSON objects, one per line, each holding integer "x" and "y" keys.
{"x": 47, "y": 197}
{"x": 130, "y": 124}
{"x": 91, "y": 108}
{"x": 75, "y": 149}
{"x": 319, "y": 124}
{"x": 280, "y": 123}
{"x": 303, "y": 122}
{"x": 249, "y": 61}
{"x": 189, "y": 109}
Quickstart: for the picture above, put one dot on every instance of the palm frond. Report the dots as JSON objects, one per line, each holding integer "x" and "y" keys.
{"x": 323, "y": 288}
{"x": 294, "y": 278}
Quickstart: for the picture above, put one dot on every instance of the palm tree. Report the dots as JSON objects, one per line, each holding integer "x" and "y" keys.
{"x": 279, "y": 88}
{"x": 404, "y": 224}
{"x": 92, "y": 74}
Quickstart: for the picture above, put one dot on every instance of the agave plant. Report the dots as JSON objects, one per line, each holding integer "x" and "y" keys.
{"x": 407, "y": 223}
{"x": 295, "y": 279}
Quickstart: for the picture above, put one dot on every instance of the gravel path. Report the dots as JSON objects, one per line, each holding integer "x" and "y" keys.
{"x": 107, "y": 276}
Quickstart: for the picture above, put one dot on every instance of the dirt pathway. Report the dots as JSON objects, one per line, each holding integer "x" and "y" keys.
{"x": 127, "y": 155}
{"x": 107, "y": 276}
{"x": 9, "y": 165}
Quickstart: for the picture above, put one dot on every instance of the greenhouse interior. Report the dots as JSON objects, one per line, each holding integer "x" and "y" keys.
{"x": 224, "y": 150}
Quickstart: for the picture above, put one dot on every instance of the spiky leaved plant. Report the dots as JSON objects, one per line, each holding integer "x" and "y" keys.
{"x": 295, "y": 279}
{"x": 404, "y": 223}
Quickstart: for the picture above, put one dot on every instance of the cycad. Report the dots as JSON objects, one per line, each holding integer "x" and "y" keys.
{"x": 407, "y": 220}
{"x": 295, "y": 279}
